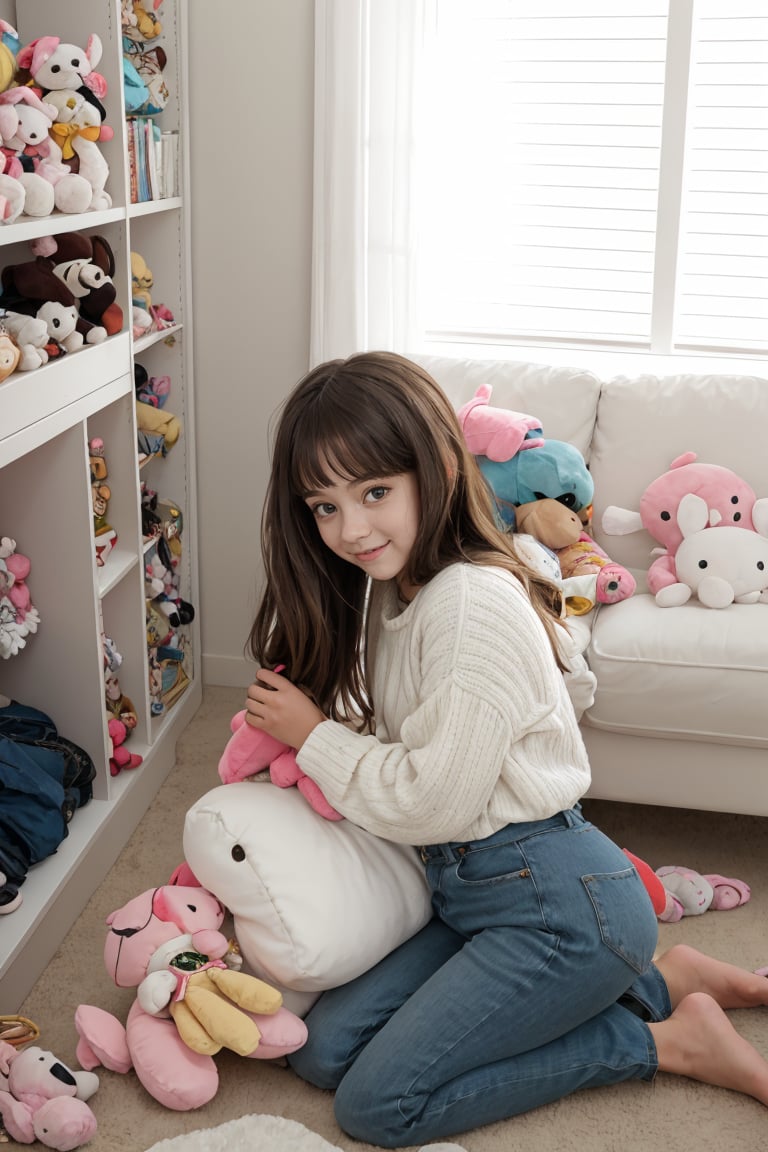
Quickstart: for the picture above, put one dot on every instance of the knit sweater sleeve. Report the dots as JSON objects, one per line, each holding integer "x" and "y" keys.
{"x": 476, "y": 713}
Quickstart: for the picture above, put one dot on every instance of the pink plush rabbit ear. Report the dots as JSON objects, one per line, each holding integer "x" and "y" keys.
{"x": 496, "y": 432}
{"x": 184, "y": 876}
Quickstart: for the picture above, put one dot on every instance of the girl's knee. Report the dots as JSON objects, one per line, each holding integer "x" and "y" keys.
{"x": 361, "y": 1112}
{"x": 317, "y": 1064}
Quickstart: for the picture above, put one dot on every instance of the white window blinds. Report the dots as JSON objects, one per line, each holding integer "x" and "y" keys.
{"x": 597, "y": 174}
{"x": 723, "y": 287}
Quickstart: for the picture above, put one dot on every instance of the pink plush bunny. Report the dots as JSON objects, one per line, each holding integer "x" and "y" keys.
{"x": 249, "y": 750}
{"x": 158, "y": 934}
{"x": 730, "y": 500}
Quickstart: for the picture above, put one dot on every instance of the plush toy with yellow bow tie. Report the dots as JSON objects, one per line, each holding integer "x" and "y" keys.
{"x": 67, "y": 77}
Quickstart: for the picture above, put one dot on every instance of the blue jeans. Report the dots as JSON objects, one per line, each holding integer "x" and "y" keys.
{"x": 533, "y": 979}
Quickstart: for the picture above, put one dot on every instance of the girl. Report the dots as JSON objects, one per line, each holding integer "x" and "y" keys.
{"x": 433, "y": 712}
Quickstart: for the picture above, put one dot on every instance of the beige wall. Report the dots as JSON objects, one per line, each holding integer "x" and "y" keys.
{"x": 251, "y": 158}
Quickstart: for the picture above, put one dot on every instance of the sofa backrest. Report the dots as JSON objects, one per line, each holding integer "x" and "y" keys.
{"x": 645, "y": 422}
{"x": 629, "y": 429}
{"x": 564, "y": 400}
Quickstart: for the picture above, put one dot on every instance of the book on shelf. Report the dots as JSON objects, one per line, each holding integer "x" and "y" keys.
{"x": 152, "y": 160}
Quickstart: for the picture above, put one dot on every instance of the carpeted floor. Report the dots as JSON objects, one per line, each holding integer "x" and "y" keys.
{"x": 672, "y": 1114}
{"x": 260, "y": 1134}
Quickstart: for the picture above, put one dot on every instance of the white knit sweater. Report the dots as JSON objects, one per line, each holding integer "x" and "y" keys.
{"x": 474, "y": 727}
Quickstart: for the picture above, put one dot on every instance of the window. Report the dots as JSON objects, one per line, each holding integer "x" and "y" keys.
{"x": 597, "y": 174}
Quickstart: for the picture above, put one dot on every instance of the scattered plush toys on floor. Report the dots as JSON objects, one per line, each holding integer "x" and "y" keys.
{"x": 18, "y": 616}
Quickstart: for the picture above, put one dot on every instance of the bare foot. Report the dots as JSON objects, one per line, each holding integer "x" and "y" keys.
{"x": 686, "y": 970}
{"x": 698, "y": 1040}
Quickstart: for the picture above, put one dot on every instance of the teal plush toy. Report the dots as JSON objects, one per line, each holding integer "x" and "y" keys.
{"x": 518, "y": 464}
{"x": 554, "y": 469}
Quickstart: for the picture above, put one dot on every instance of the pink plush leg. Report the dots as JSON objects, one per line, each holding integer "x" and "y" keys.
{"x": 313, "y": 795}
{"x": 281, "y": 1033}
{"x": 248, "y": 751}
{"x": 102, "y": 1040}
{"x": 170, "y": 1071}
{"x": 284, "y": 771}
{"x": 729, "y": 893}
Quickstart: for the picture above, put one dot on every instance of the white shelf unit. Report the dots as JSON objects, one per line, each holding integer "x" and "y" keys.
{"x": 47, "y": 418}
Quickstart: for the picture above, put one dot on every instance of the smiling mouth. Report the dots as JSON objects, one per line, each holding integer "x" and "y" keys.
{"x": 370, "y": 553}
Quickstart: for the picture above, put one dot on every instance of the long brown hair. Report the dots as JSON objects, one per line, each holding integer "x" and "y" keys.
{"x": 375, "y": 414}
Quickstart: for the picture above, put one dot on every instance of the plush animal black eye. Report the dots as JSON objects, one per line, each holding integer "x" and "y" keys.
{"x": 760, "y": 566}
{"x": 56, "y": 323}
{"x": 702, "y": 564}
{"x": 55, "y": 68}
{"x": 192, "y": 907}
{"x": 238, "y": 854}
{"x": 76, "y": 63}
{"x": 736, "y": 516}
{"x": 734, "y": 499}
{"x": 665, "y": 516}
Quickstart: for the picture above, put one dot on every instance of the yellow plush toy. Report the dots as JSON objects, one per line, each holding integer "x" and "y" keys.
{"x": 211, "y": 1014}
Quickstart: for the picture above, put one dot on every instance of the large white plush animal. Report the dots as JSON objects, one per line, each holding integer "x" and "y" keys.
{"x": 719, "y": 568}
{"x": 314, "y": 902}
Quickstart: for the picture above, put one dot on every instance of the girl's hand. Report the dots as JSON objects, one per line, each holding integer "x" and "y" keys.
{"x": 281, "y": 709}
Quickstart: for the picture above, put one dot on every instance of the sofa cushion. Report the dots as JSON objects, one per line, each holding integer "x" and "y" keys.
{"x": 645, "y": 422}
{"x": 564, "y": 400}
{"x": 691, "y": 671}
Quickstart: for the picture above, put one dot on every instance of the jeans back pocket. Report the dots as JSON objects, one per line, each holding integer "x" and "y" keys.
{"x": 625, "y": 915}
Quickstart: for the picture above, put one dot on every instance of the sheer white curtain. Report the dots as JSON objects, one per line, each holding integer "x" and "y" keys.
{"x": 364, "y": 259}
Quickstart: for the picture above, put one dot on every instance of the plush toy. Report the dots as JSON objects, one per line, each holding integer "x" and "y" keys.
{"x": 54, "y": 66}
{"x": 250, "y": 750}
{"x": 71, "y": 269}
{"x": 9, "y": 47}
{"x": 18, "y": 616}
{"x": 149, "y": 65}
{"x": 10, "y": 352}
{"x": 160, "y": 943}
{"x": 31, "y": 336}
{"x": 85, "y": 265}
{"x": 138, "y": 20}
{"x": 560, "y": 529}
{"x": 101, "y": 493}
{"x": 66, "y": 76}
{"x": 34, "y": 158}
{"x": 135, "y": 91}
{"x": 153, "y": 390}
{"x": 142, "y": 282}
{"x": 77, "y": 132}
{"x": 163, "y": 423}
{"x": 688, "y": 893}
{"x": 730, "y": 500}
{"x": 729, "y": 566}
{"x": 496, "y": 432}
{"x": 51, "y": 332}
{"x": 42, "y": 1099}
{"x": 122, "y": 716}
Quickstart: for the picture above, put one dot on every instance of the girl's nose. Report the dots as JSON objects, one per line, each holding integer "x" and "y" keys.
{"x": 355, "y": 526}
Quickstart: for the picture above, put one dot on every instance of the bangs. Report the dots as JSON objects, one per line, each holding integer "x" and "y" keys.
{"x": 354, "y": 442}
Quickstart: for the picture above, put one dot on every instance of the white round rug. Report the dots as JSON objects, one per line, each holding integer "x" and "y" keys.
{"x": 261, "y": 1134}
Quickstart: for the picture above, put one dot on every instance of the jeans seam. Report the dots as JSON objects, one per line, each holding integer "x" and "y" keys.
{"x": 651, "y": 1059}
{"x": 409, "y": 1092}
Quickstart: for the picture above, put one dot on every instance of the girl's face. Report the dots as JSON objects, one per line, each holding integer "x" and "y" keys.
{"x": 371, "y": 523}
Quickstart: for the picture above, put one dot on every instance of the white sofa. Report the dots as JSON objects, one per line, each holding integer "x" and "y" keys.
{"x": 680, "y": 716}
